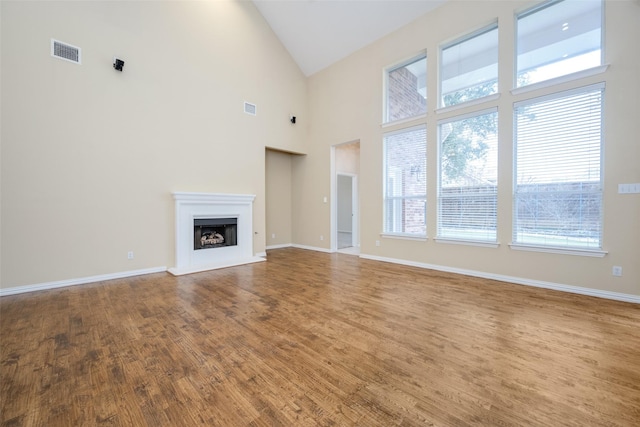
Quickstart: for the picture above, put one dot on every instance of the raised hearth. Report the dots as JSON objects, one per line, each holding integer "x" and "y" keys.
{"x": 225, "y": 221}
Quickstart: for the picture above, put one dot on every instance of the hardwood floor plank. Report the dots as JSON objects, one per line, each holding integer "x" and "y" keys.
{"x": 311, "y": 339}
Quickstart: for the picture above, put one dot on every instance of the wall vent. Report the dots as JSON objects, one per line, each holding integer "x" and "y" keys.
{"x": 66, "y": 51}
{"x": 250, "y": 108}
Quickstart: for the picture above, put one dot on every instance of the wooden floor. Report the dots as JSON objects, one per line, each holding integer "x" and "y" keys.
{"x": 309, "y": 339}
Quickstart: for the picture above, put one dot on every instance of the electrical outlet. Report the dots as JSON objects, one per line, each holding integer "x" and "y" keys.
{"x": 273, "y": 235}
{"x": 321, "y": 237}
{"x": 130, "y": 255}
{"x": 377, "y": 242}
{"x": 617, "y": 271}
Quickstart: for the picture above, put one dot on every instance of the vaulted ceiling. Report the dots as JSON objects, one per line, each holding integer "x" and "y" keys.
{"x": 318, "y": 33}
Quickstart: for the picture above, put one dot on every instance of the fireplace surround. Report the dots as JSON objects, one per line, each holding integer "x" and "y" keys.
{"x": 225, "y": 221}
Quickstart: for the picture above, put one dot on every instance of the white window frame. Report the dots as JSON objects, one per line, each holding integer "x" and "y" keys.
{"x": 386, "y": 178}
{"x": 493, "y": 242}
{"x": 386, "y": 86}
{"x": 601, "y": 67}
{"x": 584, "y": 250}
{"x": 485, "y": 29}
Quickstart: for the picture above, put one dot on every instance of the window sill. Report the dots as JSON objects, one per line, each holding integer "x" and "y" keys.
{"x": 467, "y": 242}
{"x": 419, "y": 119}
{"x": 471, "y": 103}
{"x": 404, "y": 236}
{"x": 559, "y": 80}
{"x": 596, "y": 253}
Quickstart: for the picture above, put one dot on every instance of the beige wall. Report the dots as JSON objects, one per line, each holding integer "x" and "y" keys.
{"x": 90, "y": 155}
{"x": 345, "y": 103}
{"x": 278, "y": 196}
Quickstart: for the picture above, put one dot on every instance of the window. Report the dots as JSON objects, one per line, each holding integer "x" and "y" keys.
{"x": 405, "y": 186}
{"x": 558, "y": 38}
{"x": 406, "y": 90}
{"x": 469, "y": 67}
{"x": 467, "y": 190}
{"x": 558, "y": 185}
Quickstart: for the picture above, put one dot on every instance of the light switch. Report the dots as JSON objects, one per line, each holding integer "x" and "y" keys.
{"x": 629, "y": 188}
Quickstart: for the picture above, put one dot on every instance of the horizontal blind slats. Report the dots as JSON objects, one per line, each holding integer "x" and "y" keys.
{"x": 467, "y": 190}
{"x": 405, "y": 186}
{"x": 558, "y": 191}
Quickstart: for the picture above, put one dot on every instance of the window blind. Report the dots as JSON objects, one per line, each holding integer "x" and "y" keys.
{"x": 405, "y": 186}
{"x": 467, "y": 188}
{"x": 558, "y": 184}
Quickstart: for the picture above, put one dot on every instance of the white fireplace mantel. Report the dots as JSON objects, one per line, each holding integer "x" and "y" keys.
{"x": 190, "y": 206}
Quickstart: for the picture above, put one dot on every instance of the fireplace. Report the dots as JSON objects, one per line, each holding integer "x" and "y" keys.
{"x": 213, "y": 231}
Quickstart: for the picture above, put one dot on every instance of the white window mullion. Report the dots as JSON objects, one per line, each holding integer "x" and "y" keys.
{"x": 405, "y": 187}
{"x": 467, "y": 186}
{"x": 557, "y": 170}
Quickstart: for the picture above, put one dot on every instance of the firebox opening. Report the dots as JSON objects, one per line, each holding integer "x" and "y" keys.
{"x": 214, "y": 232}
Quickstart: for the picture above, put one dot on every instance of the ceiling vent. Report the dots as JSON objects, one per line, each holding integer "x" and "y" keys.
{"x": 65, "y": 51}
{"x": 250, "y": 108}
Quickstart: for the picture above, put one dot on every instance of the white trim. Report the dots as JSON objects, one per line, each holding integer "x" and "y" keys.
{"x": 284, "y": 245}
{"x": 559, "y": 80}
{"x": 262, "y": 254}
{"x": 473, "y": 102}
{"x": 186, "y": 196}
{"x": 385, "y": 83}
{"x": 468, "y": 115}
{"x": 333, "y": 216}
{"x": 559, "y": 94}
{"x": 420, "y": 117}
{"x": 188, "y": 207}
{"x": 405, "y": 130}
{"x": 467, "y": 242}
{"x": 313, "y": 248}
{"x": 206, "y": 267}
{"x": 80, "y": 281}
{"x": 597, "y": 253}
{"x": 404, "y": 236}
{"x": 617, "y": 296}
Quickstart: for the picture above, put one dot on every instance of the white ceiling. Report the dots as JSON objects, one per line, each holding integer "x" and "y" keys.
{"x": 318, "y": 33}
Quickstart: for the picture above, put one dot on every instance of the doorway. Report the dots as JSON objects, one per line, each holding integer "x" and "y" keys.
{"x": 347, "y": 189}
{"x": 346, "y": 218}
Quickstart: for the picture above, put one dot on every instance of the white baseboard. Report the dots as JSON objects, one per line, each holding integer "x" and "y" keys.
{"x": 206, "y": 267}
{"x": 313, "y": 248}
{"x": 511, "y": 279}
{"x": 293, "y": 245}
{"x": 80, "y": 281}
{"x": 262, "y": 254}
{"x": 499, "y": 277}
{"x": 285, "y": 245}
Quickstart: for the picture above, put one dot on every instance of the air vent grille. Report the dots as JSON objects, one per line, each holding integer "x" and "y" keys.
{"x": 65, "y": 51}
{"x": 250, "y": 108}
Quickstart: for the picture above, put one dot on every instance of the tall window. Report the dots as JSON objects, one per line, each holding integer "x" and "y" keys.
{"x": 406, "y": 90}
{"x": 467, "y": 190}
{"x": 469, "y": 67}
{"x": 405, "y": 182}
{"x": 558, "y": 38}
{"x": 558, "y": 184}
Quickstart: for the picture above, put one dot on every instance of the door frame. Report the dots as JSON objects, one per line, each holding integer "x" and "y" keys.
{"x": 355, "y": 235}
{"x": 334, "y": 202}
